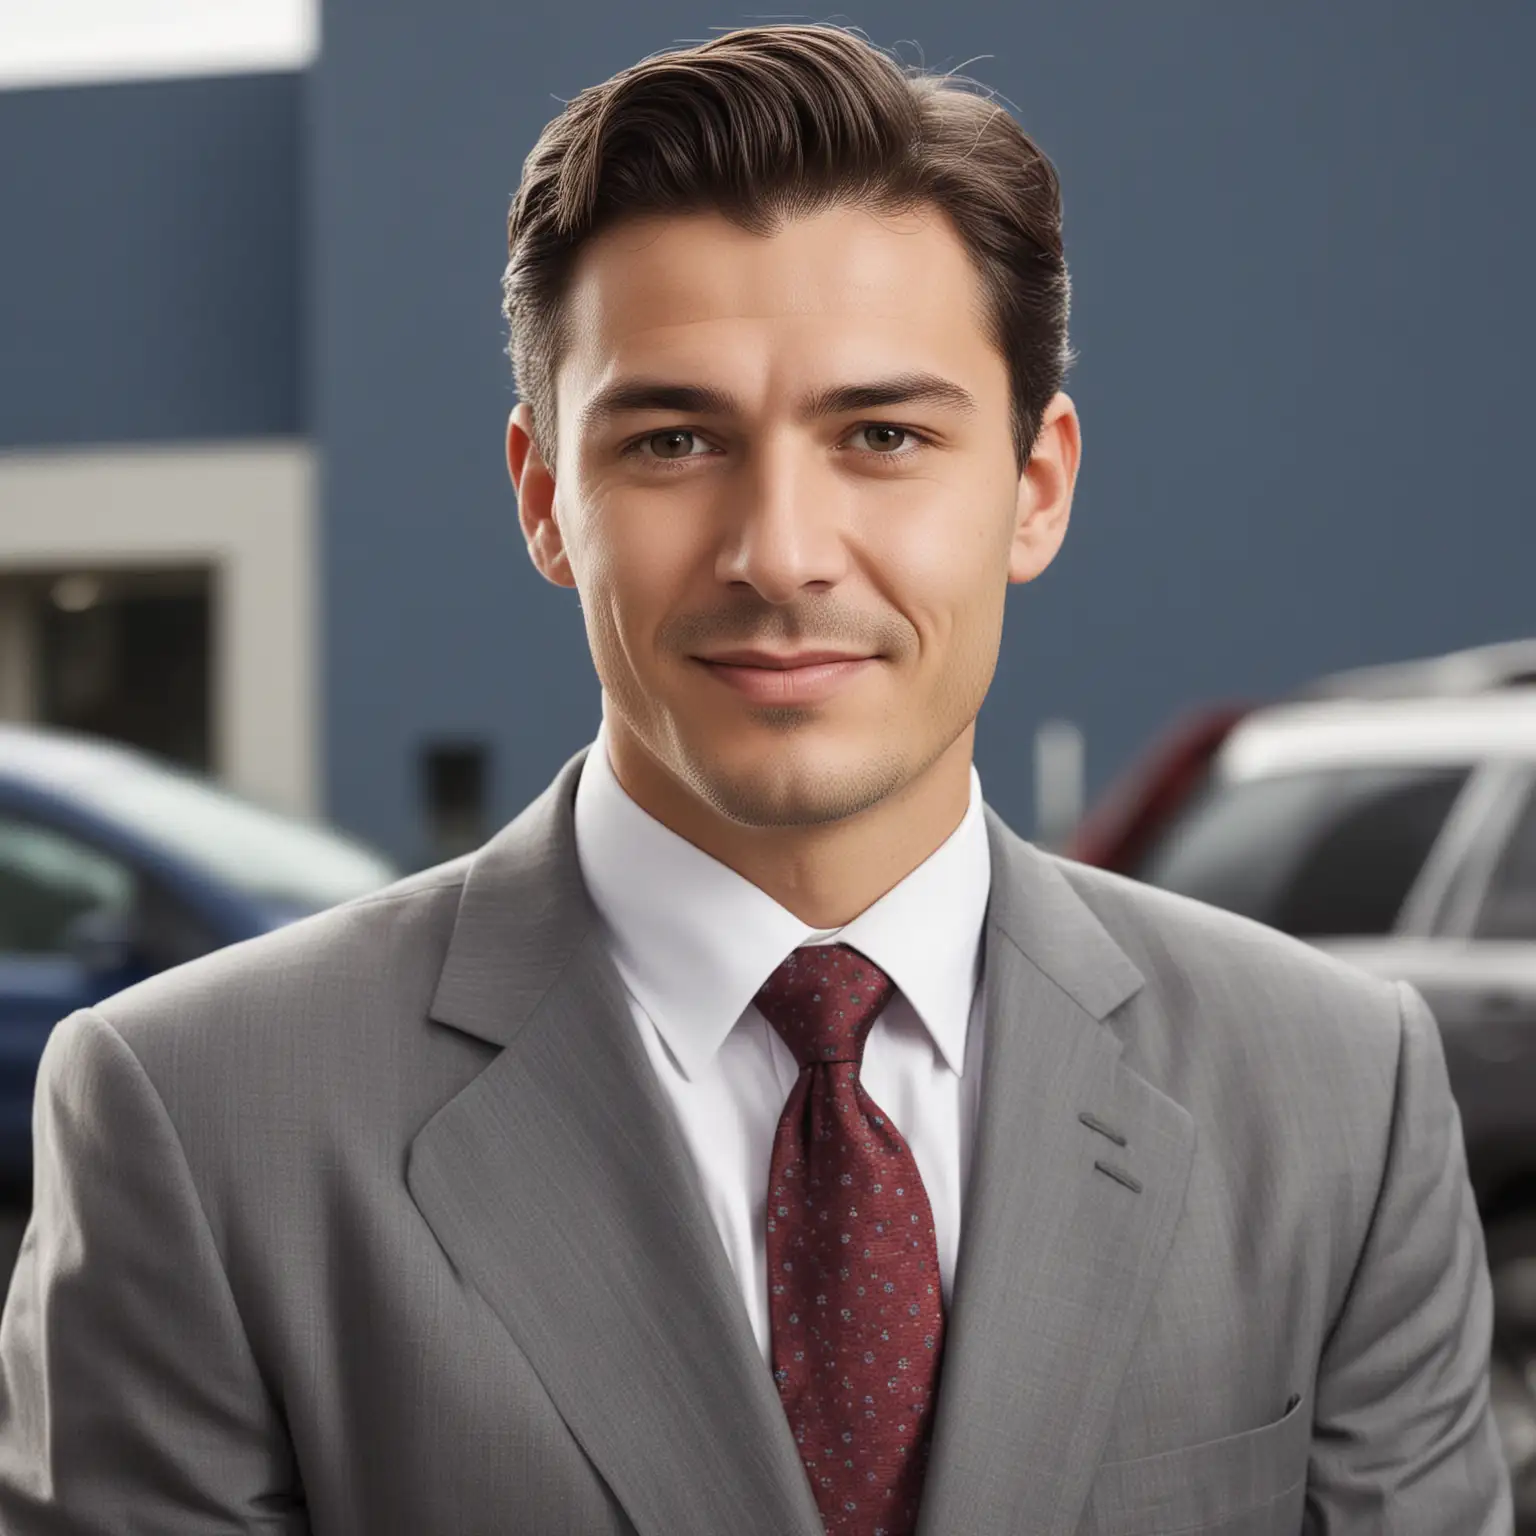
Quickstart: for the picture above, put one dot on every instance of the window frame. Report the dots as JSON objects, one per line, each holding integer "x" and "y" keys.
{"x": 1507, "y": 785}
{"x": 1519, "y": 804}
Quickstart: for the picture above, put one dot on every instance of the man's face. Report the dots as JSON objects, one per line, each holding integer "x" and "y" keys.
{"x": 719, "y": 525}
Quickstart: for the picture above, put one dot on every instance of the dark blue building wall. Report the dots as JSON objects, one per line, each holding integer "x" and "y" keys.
{"x": 1300, "y": 237}
{"x": 150, "y": 261}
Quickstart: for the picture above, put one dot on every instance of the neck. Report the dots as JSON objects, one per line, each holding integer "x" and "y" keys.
{"x": 825, "y": 874}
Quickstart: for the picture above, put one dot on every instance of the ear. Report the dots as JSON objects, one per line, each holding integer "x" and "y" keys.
{"x": 1045, "y": 491}
{"x": 535, "y": 487}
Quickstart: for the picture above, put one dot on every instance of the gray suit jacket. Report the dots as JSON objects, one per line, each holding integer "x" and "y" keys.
{"x": 380, "y": 1224}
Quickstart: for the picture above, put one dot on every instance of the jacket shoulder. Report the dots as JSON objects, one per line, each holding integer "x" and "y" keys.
{"x": 371, "y": 958}
{"x": 1269, "y": 1042}
{"x": 1191, "y": 952}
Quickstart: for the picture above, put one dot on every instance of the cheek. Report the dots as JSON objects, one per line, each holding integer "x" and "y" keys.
{"x": 948, "y": 574}
{"x": 631, "y": 567}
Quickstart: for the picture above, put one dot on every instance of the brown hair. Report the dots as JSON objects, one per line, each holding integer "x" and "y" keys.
{"x": 766, "y": 123}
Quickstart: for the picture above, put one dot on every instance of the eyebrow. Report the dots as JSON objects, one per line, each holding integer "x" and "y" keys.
{"x": 627, "y": 395}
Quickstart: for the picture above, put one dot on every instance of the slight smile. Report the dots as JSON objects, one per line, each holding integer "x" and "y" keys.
{"x": 803, "y": 677}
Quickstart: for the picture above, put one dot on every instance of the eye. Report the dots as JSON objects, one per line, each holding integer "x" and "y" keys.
{"x": 669, "y": 437}
{"x": 885, "y": 440}
{"x": 886, "y": 427}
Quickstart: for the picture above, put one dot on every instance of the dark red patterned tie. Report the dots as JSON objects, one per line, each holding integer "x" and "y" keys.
{"x": 854, "y": 1298}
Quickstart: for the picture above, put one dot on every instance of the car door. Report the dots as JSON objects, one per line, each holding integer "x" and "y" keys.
{"x": 62, "y": 901}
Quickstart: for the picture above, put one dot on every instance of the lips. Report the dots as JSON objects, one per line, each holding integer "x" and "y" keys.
{"x": 807, "y": 677}
{"x": 774, "y": 662}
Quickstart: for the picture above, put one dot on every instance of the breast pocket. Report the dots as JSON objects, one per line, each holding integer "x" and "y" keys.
{"x": 1226, "y": 1487}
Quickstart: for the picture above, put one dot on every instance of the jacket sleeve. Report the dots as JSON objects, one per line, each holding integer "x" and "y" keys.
{"x": 1404, "y": 1438}
{"x": 129, "y": 1396}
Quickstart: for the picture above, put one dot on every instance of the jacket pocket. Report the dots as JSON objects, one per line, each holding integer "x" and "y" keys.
{"x": 1196, "y": 1486}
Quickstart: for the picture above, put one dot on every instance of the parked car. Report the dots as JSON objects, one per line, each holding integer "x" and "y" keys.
{"x": 1122, "y": 822}
{"x": 1399, "y": 833}
{"x": 114, "y": 866}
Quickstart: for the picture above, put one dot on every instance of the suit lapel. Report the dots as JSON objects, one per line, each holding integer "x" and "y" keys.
{"x": 560, "y": 1185}
{"x": 1067, "y": 1220}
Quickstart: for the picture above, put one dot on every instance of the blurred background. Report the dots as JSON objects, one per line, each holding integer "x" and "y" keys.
{"x": 268, "y": 633}
{"x": 252, "y": 389}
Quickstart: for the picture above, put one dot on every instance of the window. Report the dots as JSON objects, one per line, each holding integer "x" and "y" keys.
{"x": 125, "y": 655}
{"x": 1509, "y": 907}
{"x": 1327, "y": 852}
{"x": 47, "y": 882}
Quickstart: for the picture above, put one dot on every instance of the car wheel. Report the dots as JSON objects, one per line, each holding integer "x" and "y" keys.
{"x": 1511, "y": 1247}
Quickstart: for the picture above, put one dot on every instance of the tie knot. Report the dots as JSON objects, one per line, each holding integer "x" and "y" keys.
{"x": 822, "y": 999}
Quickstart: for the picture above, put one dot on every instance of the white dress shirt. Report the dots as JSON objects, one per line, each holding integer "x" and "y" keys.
{"x": 693, "y": 941}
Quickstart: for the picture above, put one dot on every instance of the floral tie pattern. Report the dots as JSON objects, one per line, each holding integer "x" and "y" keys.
{"x": 854, "y": 1298}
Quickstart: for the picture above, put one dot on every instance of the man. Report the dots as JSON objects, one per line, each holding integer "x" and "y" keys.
{"x": 757, "y": 1136}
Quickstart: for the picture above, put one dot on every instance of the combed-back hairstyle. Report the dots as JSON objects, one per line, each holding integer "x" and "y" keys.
{"x": 768, "y": 123}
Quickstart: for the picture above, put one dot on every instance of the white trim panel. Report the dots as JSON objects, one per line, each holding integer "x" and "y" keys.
{"x": 248, "y": 511}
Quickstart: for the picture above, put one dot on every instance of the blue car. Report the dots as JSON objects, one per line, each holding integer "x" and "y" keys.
{"x": 113, "y": 866}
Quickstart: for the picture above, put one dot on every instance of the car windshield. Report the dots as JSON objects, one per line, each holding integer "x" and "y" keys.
{"x": 269, "y": 855}
{"x": 1325, "y": 852}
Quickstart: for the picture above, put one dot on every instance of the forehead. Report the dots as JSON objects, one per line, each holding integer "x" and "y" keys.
{"x": 841, "y": 289}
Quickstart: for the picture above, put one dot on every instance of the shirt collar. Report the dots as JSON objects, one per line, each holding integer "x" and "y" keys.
{"x": 693, "y": 940}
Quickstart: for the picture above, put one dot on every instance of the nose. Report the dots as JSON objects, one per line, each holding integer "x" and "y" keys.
{"x": 783, "y": 528}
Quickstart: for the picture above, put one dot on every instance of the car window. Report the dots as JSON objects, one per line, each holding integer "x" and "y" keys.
{"x": 1326, "y": 852}
{"x": 1509, "y": 907}
{"x": 47, "y": 881}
